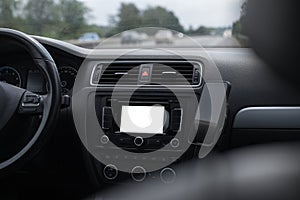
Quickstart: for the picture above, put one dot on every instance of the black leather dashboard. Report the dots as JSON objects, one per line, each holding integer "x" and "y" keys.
{"x": 253, "y": 84}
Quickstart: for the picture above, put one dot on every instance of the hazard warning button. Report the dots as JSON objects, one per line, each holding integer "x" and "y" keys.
{"x": 145, "y": 73}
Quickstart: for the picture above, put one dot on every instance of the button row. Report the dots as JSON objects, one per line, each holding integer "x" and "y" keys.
{"x": 138, "y": 158}
{"x": 139, "y": 174}
{"x": 139, "y": 141}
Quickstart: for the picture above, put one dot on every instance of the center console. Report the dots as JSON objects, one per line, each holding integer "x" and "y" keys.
{"x": 151, "y": 130}
{"x": 129, "y": 115}
{"x": 168, "y": 136}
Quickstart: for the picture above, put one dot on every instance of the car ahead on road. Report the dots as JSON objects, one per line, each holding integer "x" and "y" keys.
{"x": 131, "y": 37}
{"x": 227, "y": 33}
{"x": 89, "y": 37}
{"x": 164, "y": 37}
{"x": 167, "y": 121}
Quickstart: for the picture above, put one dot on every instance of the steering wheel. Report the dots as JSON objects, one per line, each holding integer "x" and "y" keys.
{"x": 16, "y": 101}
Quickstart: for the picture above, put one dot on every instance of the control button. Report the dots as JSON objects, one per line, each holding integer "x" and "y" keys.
{"x": 97, "y": 74}
{"x": 104, "y": 139}
{"x": 174, "y": 143}
{"x": 110, "y": 172}
{"x": 145, "y": 73}
{"x": 138, "y": 173}
{"x": 154, "y": 142}
{"x": 138, "y": 141}
{"x": 31, "y": 100}
{"x": 176, "y": 119}
{"x": 107, "y": 118}
{"x": 167, "y": 175}
{"x": 31, "y": 104}
{"x": 65, "y": 101}
{"x": 196, "y": 76}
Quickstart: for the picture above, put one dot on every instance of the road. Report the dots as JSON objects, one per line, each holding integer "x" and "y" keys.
{"x": 195, "y": 41}
{"x": 207, "y": 41}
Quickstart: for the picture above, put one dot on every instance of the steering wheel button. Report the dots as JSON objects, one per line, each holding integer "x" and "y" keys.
{"x": 31, "y": 100}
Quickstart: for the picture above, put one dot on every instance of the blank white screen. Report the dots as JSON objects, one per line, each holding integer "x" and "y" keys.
{"x": 142, "y": 119}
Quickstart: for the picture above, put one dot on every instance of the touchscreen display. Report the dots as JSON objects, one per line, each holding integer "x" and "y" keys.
{"x": 142, "y": 119}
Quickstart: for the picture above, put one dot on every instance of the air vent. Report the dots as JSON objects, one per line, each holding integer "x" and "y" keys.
{"x": 176, "y": 73}
{"x": 111, "y": 74}
{"x": 168, "y": 73}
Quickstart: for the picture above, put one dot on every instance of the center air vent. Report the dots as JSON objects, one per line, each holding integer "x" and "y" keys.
{"x": 176, "y": 73}
{"x": 168, "y": 73}
{"x": 110, "y": 74}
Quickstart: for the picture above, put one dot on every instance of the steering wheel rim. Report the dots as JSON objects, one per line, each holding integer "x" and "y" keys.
{"x": 51, "y": 101}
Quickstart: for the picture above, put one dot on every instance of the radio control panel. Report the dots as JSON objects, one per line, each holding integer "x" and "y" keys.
{"x": 142, "y": 125}
{"x": 167, "y": 139}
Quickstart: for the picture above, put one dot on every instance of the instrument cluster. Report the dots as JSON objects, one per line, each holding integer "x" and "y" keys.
{"x": 33, "y": 79}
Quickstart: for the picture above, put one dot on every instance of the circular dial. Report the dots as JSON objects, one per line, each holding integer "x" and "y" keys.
{"x": 67, "y": 77}
{"x": 10, "y": 75}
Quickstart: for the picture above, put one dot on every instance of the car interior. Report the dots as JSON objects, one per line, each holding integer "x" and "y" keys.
{"x": 170, "y": 122}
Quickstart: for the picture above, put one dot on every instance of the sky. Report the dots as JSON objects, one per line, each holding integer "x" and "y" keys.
{"x": 212, "y": 13}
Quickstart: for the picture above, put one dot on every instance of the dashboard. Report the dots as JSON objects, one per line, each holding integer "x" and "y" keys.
{"x": 252, "y": 82}
{"x": 254, "y": 91}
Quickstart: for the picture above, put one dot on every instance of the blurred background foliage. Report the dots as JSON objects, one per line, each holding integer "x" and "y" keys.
{"x": 68, "y": 19}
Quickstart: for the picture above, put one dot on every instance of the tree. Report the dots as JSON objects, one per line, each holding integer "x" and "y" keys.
{"x": 237, "y": 28}
{"x": 62, "y": 19}
{"x": 41, "y": 16}
{"x": 72, "y": 15}
{"x": 201, "y": 30}
{"x": 7, "y": 9}
{"x": 128, "y": 18}
{"x": 161, "y": 17}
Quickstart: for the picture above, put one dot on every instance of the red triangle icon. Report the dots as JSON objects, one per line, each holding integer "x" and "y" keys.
{"x": 145, "y": 73}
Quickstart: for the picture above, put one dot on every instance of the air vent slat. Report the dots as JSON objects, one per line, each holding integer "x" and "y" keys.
{"x": 127, "y": 79}
{"x": 117, "y": 76}
{"x": 173, "y": 79}
{"x": 160, "y": 75}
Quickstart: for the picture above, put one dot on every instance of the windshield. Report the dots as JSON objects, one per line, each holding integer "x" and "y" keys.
{"x": 86, "y": 23}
